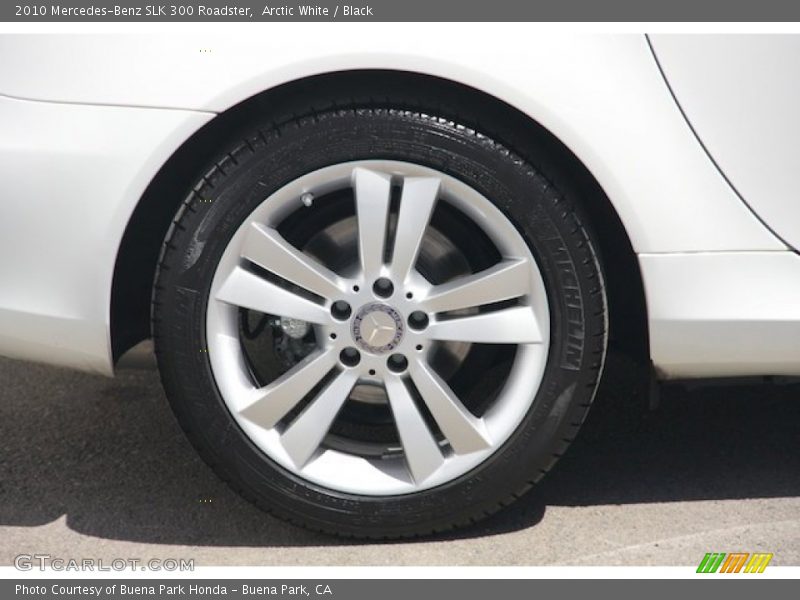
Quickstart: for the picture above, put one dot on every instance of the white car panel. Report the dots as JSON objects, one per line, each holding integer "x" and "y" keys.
{"x": 741, "y": 94}
{"x": 71, "y": 177}
{"x": 725, "y": 313}
{"x": 602, "y": 95}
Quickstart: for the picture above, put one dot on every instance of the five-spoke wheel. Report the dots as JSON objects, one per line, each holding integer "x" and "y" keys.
{"x": 378, "y": 321}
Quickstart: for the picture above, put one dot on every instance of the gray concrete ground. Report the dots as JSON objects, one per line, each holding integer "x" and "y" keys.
{"x": 97, "y": 467}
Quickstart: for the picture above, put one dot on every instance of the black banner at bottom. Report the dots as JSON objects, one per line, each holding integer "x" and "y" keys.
{"x": 382, "y": 589}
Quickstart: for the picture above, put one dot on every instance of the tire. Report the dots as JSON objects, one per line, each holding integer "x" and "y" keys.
{"x": 538, "y": 371}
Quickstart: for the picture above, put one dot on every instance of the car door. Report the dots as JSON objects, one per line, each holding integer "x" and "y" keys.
{"x": 741, "y": 95}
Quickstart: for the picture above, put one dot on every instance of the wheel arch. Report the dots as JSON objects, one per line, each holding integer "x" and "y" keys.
{"x": 136, "y": 260}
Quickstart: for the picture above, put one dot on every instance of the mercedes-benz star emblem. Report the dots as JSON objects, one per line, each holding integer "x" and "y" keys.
{"x": 377, "y": 328}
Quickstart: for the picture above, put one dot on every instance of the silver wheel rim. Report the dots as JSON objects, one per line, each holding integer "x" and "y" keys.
{"x": 378, "y": 328}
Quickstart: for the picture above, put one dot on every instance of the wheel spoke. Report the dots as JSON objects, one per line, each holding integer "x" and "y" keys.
{"x": 506, "y": 280}
{"x": 272, "y": 402}
{"x": 516, "y": 325}
{"x": 244, "y": 289}
{"x": 268, "y": 249}
{"x": 416, "y": 206}
{"x": 465, "y": 432}
{"x": 372, "y": 192}
{"x": 421, "y": 450}
{"x": 306, "y": 432}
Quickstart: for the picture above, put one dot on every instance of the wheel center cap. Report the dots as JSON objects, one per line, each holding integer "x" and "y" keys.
{"x": 377, "y": 328}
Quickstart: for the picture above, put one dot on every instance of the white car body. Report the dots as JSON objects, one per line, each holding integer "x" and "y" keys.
{"x": 87, "y": 122}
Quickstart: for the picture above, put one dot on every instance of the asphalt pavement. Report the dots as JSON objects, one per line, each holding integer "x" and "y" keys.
{"x": 97, "y": 467}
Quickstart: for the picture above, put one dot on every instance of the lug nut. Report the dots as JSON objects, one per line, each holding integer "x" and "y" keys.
{"x": 418, "y": 320}
{"x": 397, "y": 363}
{"x": 350, "y": 357}
{"x": 340, "y": 310}
{"x": 383, "y": 287}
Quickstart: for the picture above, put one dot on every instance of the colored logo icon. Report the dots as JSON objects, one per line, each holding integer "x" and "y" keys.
{"x": 734, "y": 562}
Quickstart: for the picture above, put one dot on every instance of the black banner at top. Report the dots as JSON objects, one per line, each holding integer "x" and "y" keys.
{"x": 400, "y": 10}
